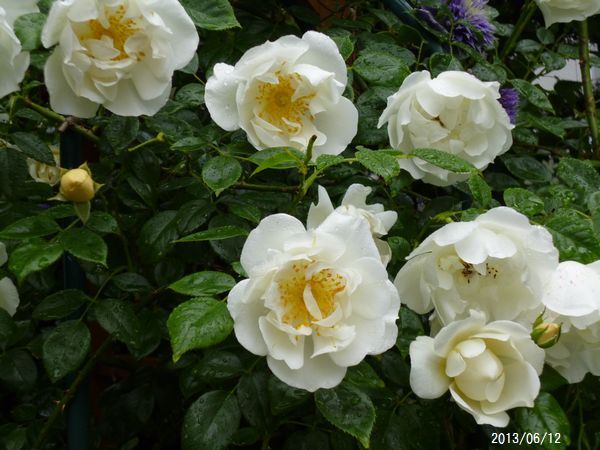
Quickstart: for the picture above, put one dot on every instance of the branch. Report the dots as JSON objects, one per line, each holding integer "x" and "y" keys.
{"x": 588, "y": 89}
{"x": 528, "y": 9}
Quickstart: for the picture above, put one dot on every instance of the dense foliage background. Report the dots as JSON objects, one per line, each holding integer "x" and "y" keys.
{"x": 165, "y": 373}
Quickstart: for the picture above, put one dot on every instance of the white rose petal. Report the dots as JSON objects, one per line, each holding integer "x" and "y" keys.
{"x": 498, "y": 264}
{"x": 282, "y": 93}
{"x": 44, "y": 173}
{"x": 14, "y": 61}
{"x": 567, "y": 10}
{"x": 455, "y": 113}
{"x": 9, "y": 296}
{"x": 488, "y": 368}
{"x": 317, "y": 300}
{"x": 120, "y": 54}
{"x": 354, "y": 204}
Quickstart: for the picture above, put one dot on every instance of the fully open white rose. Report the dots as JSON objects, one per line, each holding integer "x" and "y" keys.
{"x": 117, "y": 53}
{"x": 44, "y": 173}
{"x": 567, "y": 10}
{"x": 316, "y": 301}
{"x": 283, "y": 92}
{"x": 354, "y": 204}
{"x": 572, "y": 298}
{"x": 14, "y": 61}
{"x": 488, "y": 368}
{"x": 455, "y": 113}
{"x": 498, "y": 264}
{"x": 9, "y": 296}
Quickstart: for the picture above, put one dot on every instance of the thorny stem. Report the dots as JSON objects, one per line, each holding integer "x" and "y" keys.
{"x": 66, "y": 121}
{"x": 588, "y": 89}
{"x": 528, "y": 9}
{"x": 160, "y": 137}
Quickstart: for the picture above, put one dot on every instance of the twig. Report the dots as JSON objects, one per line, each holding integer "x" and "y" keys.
{"x": 264, "y": 187}
{"x": 588, "y": 89}
{"x": 528, "y": 10}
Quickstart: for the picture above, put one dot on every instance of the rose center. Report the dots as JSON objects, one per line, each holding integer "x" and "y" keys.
{"x": 280, "y": 105}
{"x": 115, "y": 27}
{"x": 297, "y": 288}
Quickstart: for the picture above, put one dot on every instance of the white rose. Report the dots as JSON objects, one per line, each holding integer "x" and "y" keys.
{"x": 455, "y": 113}
{"x": 487, "y": 368}
{"x": 117, "y": 53}
{"x": 316, "y": 301}
{"x": 567, "y": 10}
{"x": 14, "y": 61}
{"x": 572, "y": 298}
{"x": 282, "y": 93}
{"x": 44, "y": 173}
{"x": 9, "y": 296}
{"x": 354, "y": 204}
{"x": 498, "y": 264}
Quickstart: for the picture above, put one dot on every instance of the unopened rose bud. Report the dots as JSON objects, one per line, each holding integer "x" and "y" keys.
{"x": 77, "y": 186}
{"x": 545, "y": 335}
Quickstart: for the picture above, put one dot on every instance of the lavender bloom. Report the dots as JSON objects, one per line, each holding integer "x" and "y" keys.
{"x": 509, "y": 99}
{"x": 471, "y": 24}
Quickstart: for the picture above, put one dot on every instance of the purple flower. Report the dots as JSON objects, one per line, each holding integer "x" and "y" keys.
{"x": 471, "y": 24}
{"x": 509, "y": 99}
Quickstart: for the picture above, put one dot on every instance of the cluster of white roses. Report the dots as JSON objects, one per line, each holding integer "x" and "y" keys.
{"x": 318, "y": 298}
{"x": 486, "y": 281}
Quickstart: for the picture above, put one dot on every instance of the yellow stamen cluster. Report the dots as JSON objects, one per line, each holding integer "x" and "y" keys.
{"x": 279, "y": 107}
{"x": 119, "y": 30}
{"x": 324, "y": 285}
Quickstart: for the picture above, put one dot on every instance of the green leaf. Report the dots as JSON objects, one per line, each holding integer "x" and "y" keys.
{"x": 546, "y": 416}
{"x": 533, "y": 94}
{"x": 198, "y": 323}
{"x": 191, "y": 95}
{"x": 28, "y": 28}
{"x": 253, "y": 399}
{"x": 349, "y": 409}
{"x": 343, "y": 40}
{"x": 84, "y": 244}
{"x": 524, "y": 201}
{"x": 33, "y": 256}
{"x": 579, "y": 175}
{"x": 218, "y": 365}
{"x": 215, "y": 234}
{"x": 410, "y": 327}
{"x": 157, "y": 235}
{"x": 221, "y": 172}
{"x": 326, "y": 161}
{"x": 102, "y": 222}
{"x": 411, "y": 427}
{"x": 279, "y": 158}
{"x": 60, "y": 304}
{"x": 380, "y": 68}
{"x": 210, "y": 422}
{"x": 480, "y": 190}
{"x": 18, "y": 371}
{"x": 363, "y": 376}
{"x": 189, "y": 144}
{"x": 211, "y": 14}
{"x": 29, "y": 227}
{"x": 119, "y": 319}
{"x": 574, "y": 236}
{"x": 444, "y": 160}
{"x": 203, "y": 283}
{"x": 131, "y": 282}
{"x": 284, "y": 398}
{"x": 7, "y": 328}
{"x": 34, "y": 147}
{"x": 441, "y": 62}
{"x": 65, "y": 349}
{"x": 527, "y": 168}
{"x": 379, "y": 162}
{"x": 121, "y": 131}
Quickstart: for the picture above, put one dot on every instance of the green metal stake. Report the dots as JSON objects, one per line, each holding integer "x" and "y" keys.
{"x": 78, "y": 412}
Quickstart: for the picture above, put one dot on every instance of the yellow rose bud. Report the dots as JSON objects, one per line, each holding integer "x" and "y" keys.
{"x": 77, "y": 186}
{"x": 546, "y": 335}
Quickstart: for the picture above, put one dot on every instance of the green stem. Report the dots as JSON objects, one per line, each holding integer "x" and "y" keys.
{"x": 160, "y": 137}
{"x": 264, "y": 187}
{"x": 70, "y": 393}
{"x": 49, "y": 114}
{"x": 588, "y": 88}
{"x": 528, "y": 9}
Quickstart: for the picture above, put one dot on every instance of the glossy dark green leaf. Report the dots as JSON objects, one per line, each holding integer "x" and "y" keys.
{"x": 60, "y": 304}
{"x": 380, "y": 68}
{"x": 121, "y": 131}
{"x": 211, "y": 421}
{"x": 28, "y": 28}
{"x": 524, "y": 201}
{"x": 252, "y": 395}
{"x": 480, "y": 190}
{"x": 574, "y": 236}
{"x": 211, "y": 14}
{"x": 65, "y": 348}
{"x": 363, "y": 376}
{"x": 533, "y": 94}
{"x": 33, "y": 256}
{"x": 545, "y": 417}
{"x": 527, "y": 168}
{"x": 203, "y": 284}
{"x": 29, "y": 227}
{"x": 84, "y": 244}
{"x": 31, "y": 145}
{"x": 221, "y": 172}
{"x": 279, "y": 158}
{"x": 131, "y": 282}
{"x": 157, "y": 235}
{"x": 198, "y": 323}
{"x": 215, "y": 234}
{"x": 7, "y": 328}
{"x": 18, "y": 371}
{"x": 444, "y": 160}
{"x": 191, "y": 95}
{"x": 379, "y": 162}
{"x": 102, "y": 222}
{"x": 283, "y": 398}
{"x": 579, "y": 175}
{"x": 349, "y": 409}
